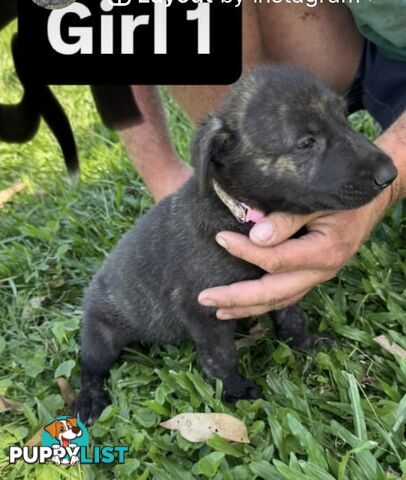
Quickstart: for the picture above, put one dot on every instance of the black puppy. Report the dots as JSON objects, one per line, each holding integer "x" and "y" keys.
{"x": 279, "y": 142}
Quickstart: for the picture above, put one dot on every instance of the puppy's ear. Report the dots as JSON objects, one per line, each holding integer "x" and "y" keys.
{"x": 206, "y": 144}
{"x": 53, "y": 428}
{"x": 72, "y": 421}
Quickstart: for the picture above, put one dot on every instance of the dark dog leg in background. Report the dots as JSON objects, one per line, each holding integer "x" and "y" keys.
{"x": 218, "y": 356}
{"x": 18, "y": 123}
{"x": 47, "y": 105}
{"x": 116, "y": 106}
{"x": 8, "y": 12}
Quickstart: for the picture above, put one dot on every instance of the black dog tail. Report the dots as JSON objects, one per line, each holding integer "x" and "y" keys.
{"x": 23, "y": 119}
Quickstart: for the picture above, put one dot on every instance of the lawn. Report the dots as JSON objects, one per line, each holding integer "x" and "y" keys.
{"x": 337, "y": 414}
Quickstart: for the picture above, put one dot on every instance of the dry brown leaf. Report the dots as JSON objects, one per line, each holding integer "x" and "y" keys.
{"x": 66, "y": 392}
{"x": 7, "y": 194}
{"x": 199, "y": 427}
{"x": 35, "y": 440}
{"x": 391, "y": 347}
{"x": 8, "y": 406}
{"x": 255, "y": 334}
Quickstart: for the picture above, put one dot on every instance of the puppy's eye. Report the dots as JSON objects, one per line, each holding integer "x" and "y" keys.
{"x": 306, "y": 143}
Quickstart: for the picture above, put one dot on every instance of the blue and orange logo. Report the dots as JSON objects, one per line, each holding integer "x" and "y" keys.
{"x": 65, "y": 441}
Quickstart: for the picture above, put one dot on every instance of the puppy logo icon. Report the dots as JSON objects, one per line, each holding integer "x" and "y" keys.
{"x": 65, "y": 435}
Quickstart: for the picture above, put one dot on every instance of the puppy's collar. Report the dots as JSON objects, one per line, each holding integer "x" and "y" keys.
{"x": 241, "y": 211}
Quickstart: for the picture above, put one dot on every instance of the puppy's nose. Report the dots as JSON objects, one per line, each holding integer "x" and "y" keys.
{"x": 385, "y": 174}
{"x": 75, "y": 429}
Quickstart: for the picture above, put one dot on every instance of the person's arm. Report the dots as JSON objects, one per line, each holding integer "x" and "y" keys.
{"x": 297, "y": 265}
{"x": 150, "y": 148}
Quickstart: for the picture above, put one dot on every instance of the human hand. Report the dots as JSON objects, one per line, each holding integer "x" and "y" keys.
{"x": 296, "y": 265}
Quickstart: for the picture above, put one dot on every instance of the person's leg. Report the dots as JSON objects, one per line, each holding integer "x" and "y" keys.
{"x": 323, "y": 39}
{"x": 150, "y": 147}
{"x": 198, "y": 100}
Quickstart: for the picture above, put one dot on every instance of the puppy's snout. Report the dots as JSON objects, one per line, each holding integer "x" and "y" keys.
{"x": 384, "y": 174}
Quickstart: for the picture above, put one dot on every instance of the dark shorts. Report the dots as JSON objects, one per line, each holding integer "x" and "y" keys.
{"x": 379, "y": 86}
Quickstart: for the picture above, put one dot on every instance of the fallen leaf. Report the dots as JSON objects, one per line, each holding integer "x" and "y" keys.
{"x": 66, "y": 392}
{"x": 199, "y": 427}
{"x": 35, "y": 440}
{"x": 7, "y": 194}
{"x": 391, "y": 347}
{"x": 255, "y": 334}
{"x": 8, "y": 406}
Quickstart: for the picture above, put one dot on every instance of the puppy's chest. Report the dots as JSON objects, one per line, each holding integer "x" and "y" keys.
{"x": 208, "y": 265}
{"x": 192, "y": 259}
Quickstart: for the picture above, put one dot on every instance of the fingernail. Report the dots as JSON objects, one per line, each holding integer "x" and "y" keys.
{"x": 221, "y": 241}
{"x": 221, "y": 315}
{"x": 207, "y": 302}
{"x": 263, "y": 232}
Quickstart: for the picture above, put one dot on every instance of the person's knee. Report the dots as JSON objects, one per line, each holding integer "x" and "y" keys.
{"x": 253, "y": 42}
{"x": 197, "y": 101}
{"x": 323, "y": 39}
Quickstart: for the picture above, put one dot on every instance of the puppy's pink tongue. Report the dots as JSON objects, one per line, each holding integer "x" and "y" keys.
{"x": 252, "y": 215}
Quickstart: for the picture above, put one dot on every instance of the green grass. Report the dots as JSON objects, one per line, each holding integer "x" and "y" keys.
{"x": 338, "y": 414}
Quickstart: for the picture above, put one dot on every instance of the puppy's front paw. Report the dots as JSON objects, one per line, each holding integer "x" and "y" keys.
{"x": 90, "y": 404}
{"x": 241, "y": 388}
